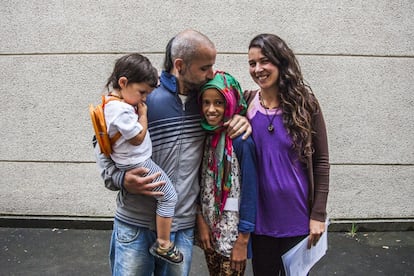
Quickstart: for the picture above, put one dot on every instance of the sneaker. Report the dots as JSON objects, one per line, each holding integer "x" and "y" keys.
{"x": 171, "y": 254}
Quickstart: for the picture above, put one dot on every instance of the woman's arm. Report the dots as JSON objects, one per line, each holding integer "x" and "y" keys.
{"x": 321, "y": 167}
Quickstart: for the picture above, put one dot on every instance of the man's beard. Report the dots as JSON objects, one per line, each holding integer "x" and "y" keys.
{"x": 191, "y": 86}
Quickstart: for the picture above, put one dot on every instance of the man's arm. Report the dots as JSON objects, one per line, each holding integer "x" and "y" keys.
{"x": 237, "y": 125}
{"x": 113, "y": 177}
{"x": 133, "y": 180}
{"x": 136, "y": 183}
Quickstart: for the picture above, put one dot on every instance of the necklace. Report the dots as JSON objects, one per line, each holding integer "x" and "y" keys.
{"x": 270, "y": 127}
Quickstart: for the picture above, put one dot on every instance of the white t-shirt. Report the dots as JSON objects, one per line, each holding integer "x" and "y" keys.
{"x": 120, "y": 116}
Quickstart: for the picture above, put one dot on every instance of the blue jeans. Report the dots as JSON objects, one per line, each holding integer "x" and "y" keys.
{"x": 129, "y": 251}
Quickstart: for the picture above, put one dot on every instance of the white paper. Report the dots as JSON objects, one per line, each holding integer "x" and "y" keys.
{"x": 299, "y": 260}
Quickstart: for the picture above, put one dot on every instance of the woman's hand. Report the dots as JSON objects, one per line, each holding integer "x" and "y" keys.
{"x": 316, "y": 230}
{"x": 237, "y": 125}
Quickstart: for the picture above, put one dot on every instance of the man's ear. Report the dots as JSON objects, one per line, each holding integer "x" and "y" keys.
{"x": 122, "y": 82}
{"x": 179, "y": 65}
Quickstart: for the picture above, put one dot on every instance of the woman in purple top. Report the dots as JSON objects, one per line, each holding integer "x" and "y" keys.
{"x": 292, "y": 154}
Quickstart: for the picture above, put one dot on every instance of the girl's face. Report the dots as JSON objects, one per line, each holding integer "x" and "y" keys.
{"x": 135, "y": 93}
{"x": 213, "y": 106}
{"x": 262, "y": 71}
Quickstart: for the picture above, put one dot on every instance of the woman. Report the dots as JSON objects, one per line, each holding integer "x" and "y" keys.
{"x": 292, "y": 154}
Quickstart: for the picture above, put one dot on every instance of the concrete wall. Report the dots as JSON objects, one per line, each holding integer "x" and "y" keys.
{"x": 55, "y": 57}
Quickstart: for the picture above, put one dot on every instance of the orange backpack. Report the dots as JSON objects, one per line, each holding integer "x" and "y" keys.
{"x": 99, "y": 125}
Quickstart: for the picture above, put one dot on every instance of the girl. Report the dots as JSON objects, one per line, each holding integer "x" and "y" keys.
{"x": 292, "y": 154}
{"x": 228, "y": 181}
{"x": 132, "y": 80}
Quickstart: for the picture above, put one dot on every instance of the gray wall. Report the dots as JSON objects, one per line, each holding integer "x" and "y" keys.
{"x": 55, "y": 57}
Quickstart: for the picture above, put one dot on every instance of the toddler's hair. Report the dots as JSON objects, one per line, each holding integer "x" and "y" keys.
{"x": 136, "y": 68}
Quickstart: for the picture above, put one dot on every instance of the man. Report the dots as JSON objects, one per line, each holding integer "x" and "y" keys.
{"x": 177, "y": 139}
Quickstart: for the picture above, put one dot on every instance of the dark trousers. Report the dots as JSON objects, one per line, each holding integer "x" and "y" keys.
{"x": 268, "y": 251}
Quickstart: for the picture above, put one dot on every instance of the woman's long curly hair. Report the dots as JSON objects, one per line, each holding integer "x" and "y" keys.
{"x": 296, "y": 98}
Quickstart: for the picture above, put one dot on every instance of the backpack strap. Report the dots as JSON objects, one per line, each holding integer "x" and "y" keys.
{"x": 106, "y": 100}
{"x": 115, "y": 138}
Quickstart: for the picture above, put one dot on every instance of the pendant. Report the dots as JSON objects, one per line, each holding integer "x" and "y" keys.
{"x": 270, "y": 128}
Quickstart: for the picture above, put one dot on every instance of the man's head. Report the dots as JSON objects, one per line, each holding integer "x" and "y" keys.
{"x": 190, "y": 56}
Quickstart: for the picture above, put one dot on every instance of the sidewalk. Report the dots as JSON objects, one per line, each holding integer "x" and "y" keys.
{"x": 41, "y": 251}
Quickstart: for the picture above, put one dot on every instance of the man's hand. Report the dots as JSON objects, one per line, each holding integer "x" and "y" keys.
{"x": 237, "y": 125}
{"x": 136, "y": 183}
{"x": 316, "y": 230}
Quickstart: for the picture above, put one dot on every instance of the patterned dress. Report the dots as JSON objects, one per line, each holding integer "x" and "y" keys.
{"x": 225, "y": 228}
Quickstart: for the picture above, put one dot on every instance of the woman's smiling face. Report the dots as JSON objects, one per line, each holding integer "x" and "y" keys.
{"x": 262, "y": 71}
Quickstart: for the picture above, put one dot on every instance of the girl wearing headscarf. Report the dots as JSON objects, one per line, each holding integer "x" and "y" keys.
{"x": 292, "y": 155}
{"x": 228, "y": 182}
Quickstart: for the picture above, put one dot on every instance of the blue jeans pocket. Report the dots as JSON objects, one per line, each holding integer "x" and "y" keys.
{"x": 126, "y": 233}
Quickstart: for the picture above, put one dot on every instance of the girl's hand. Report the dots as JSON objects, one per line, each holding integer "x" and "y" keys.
{"x": 142, "y": 109}
{"x": 238, "y": 254}
{"x": 316, "y": 230}
{"x": 204, "y": 233}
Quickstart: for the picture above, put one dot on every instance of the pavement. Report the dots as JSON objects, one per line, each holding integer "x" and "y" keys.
{"x": 54, "y": 251}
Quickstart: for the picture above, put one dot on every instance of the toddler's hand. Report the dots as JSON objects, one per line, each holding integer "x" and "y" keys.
{"x": 142, "y": 109}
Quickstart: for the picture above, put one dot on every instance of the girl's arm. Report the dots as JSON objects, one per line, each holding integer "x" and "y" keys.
{"x": 203, "y": 232}
{"x": 239, "y": 252}
{"x": 246, "y": 155}
{"x": 143, "y": 121}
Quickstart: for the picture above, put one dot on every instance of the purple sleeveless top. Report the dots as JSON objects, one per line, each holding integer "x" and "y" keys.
{"x": 282, "y": 208}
